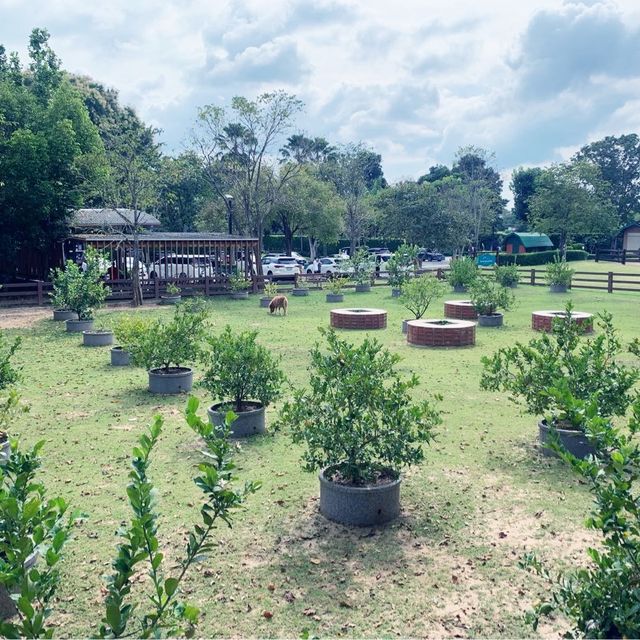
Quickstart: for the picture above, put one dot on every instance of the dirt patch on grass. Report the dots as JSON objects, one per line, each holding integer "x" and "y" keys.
{"x": 22, "y": 318}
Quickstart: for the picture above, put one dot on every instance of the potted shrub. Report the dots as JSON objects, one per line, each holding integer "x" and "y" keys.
{"x": 270, "y": 290}
{"x": 507, "y": 275}
{"x": 165, "y": 348}
{"x": 239, "y": 287}
{"x": 360, "y": 426}
{"x": 559, "y": 275}
{"x": 97, "y": 338}
{"x": 85, "y": 291}
{"x": 60, "y": 298}
{"x": 400, "y": 266}
{"x": 418, "y": 293}
{"x": 362, "y": 269}
{"x": 487, "y": 296}
{"x": 129, "y": 331}
{"x": 462, "y": 272}
{"x": 299, "y": 288}
{"x": 564, "y": 360}
{"x": 244, "y": 377}
{"x": 173, "y": 295}
{"x": 334, "y": 287}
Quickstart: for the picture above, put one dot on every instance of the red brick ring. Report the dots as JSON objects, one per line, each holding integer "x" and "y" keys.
{"x": 441, "y": 333}
{"x": 543, "y": 320}
{"x": 460, "y": 310}
{"x": 358, "y": 318}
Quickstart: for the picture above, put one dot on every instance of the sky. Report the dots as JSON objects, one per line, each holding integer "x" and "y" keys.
{"x": 531, "y": 81}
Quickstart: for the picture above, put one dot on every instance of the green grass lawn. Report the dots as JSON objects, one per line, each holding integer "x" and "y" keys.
{"x": 447, "y": 567}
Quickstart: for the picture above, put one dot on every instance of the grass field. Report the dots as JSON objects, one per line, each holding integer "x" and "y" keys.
{"x": 447, "y": 567}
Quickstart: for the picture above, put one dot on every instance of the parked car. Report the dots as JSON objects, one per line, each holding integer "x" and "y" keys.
{"x": 276, "y": 268}
{"x": 430, "y": 256}
{"x": 181, "y": 266}
{"x": 116, "y": 272}
{"x": 324, "y": 266}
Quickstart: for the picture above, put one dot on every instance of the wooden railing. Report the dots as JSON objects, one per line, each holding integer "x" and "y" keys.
{"x": 617, "y": 255}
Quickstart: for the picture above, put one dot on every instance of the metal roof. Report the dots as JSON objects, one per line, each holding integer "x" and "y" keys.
{"x": 161, "y": 237}
{"x": 107, "y": 217}
{"x": 530, "y": 240}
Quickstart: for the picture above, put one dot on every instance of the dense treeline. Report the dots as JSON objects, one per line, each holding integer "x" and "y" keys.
{"x": 66, "y": 141}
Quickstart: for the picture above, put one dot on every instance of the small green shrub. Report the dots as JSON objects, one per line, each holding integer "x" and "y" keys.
{"x": 240, "y": 369}
{"x": 462, "y": 272}
{"x": 362, "y": 267}
{"x": 400, "y": 265}
{"x": 10, "y": 409}
{"x": 335, "y": 285}
{"x": 130, "y": 331}
{"x": 270, "y": 289}
{"x": 602, "y": 599}
{"x": 238, "y": 282}
{"x": 488, "y": 296}
{"x": 9, "y": 373}
{"x": 588, "y": 366}
{"x": 173, "y": 289}
{"x": 418, "y": 293}
{"x": 559, "y": 273}
{"x": 358, "y": 416}
{"x": 507, "y": 275}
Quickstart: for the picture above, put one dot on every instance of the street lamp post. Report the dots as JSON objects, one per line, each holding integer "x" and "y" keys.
{"x": 229, "y": 200}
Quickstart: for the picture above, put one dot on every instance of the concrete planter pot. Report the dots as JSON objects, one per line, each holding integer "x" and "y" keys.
{"x": 459, "y": 288}
{"x": 575, "y": 442}
{"x": 5, "y": 450}
{"x": 493, "y": 320}
{"x": 120, "y": 357}
{"x": 359, "y": 506}
{"x": 558, "y": 288}
{"x": 79, "y": 326}
{"x": 396, "y": 293}
{"x": 265, "y": 301}
{"x": 248, "y": 423}
{"x": 300, "y": 291}
{"x": 405, "y": 326}
{"x": 64, "y": 314}
{"x": 170, "y": 299}
{"x": 239, "y": 295}
{"x": 8, "y": 607}
{"x": 335, "y": 297}
{"x": 512, "y": 286}
{"x": 97, "y": 338}
{"x": 363, "y": 288}
{"x": 175, "y": 380}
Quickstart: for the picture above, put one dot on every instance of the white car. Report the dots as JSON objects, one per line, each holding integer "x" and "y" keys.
{"x": 181, "y": 266}
{"x": 329, "y": 266}
{"x": 274, "y": 267}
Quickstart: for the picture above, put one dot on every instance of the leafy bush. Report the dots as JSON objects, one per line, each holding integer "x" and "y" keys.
{"x": 488, "y": 296}
{"x": 507, "y": 275}
{"x": 602, "y": 600}
{"x": 238, "y": 282}
{"x": 239, "y": 369}
{"x": 589, "y": 367}
{"x": 173, "y": 289}
{"x": 30, "y": 523}
{"x": 462, "y": 272}
{"x": 167, "y": 344}
{"x": 362, "y": 267}
{"x": 358, "y": 416}
{"x": 270, "y": 289}
{"x": 559, "y": 273}
{"x": 400, "y": 265}
{"x": 140, "y": 544}
{"x": 8, "y": 372}
{"x": 536, "y": 258}
{"x": 81, "y": 290}
{"x": 130, "y": 331}
{"x": 335, "y": 285}
{"x": 10, "y": 409}
{"x": 418, "y": 293}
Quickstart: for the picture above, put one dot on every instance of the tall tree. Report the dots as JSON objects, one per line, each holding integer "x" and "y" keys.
{"x": 618, "y": 159}
{"x": 523, "y": 187}
{"x": 436, "y": 172}
{"x": 570, "y": 200}
{"x": 237, "y": 147}
{"x": 305, "y": 150}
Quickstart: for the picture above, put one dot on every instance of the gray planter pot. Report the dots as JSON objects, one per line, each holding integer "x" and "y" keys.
{"x": 494, "y": 320}
{"x": 405, "y": 326}
{"x": 170, "y": 299}
{"x": 79, "y": 326}
{"x": 359, "y": 506}
{"x": 8, "y": 607}
{"x": 300, "y": 291}
{"x": 5, "y": 451}
{"x": 459, "y": 288}
{"x": 265, "y": 301}
{"x": 363, "y": 288}
{"x": 335, "y": 297}
{"x": 558, "y": 288}
{"x": 178, "y": 380}
{"x": 512, "y": 286}
{"x": 97, "y": 338}
{"x": 120, "y": 357}
{"x": 396, "y": 293}
{"x": 575, "y": 442}
{"x": 64, "y": 314}
{"x": 248, "y": 423}
{"x": 239, "y": 295}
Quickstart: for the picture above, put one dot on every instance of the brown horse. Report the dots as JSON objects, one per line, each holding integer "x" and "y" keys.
{"x": 277, "y": 303}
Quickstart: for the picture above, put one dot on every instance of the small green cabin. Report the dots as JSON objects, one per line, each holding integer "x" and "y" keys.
{"x": 518, "y": 242}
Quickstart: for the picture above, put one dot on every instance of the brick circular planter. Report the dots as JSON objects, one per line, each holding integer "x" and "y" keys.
{"x": 441, "y": 333}
{"x": 543, "y": 320}
{"x": 358, "y": 318}
{"x": 459, "y": 310}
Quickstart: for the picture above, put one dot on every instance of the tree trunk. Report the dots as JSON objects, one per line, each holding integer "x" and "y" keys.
{"x": 135, "y": 274}
{"x": 288, "y": 238}
{"x": 313, "y": 247}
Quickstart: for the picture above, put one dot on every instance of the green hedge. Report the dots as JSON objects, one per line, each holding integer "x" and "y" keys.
{"x": 539, "y": 257}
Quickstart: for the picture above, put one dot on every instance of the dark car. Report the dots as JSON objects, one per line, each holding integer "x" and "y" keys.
{"x": 430, "y": 256}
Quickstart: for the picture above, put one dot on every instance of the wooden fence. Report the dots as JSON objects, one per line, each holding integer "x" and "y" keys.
{"x": 617, "y": 255}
